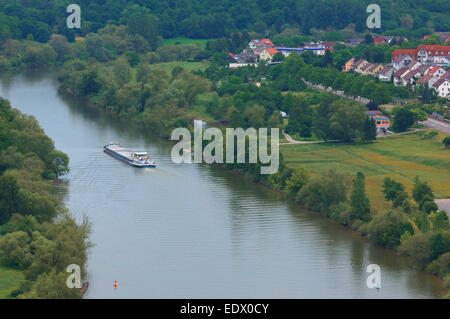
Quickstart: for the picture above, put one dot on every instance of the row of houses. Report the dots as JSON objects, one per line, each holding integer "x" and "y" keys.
{"x": 377, "y": 40}
{"x": 424, "y": 65}
{"x": 431, "y": 54}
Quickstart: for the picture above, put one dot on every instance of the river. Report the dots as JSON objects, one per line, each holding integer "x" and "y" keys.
{"x": 197, "y": 231}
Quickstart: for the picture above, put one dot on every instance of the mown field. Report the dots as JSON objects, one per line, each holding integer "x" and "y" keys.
{"x": 180, "y": 40}
{"x": 400, "y": 157}
{"x": 9, "y": 280}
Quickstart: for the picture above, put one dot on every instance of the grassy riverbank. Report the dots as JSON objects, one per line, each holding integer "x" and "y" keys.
{"x": 10, "y": 280}
{"x": 400, "y": 157}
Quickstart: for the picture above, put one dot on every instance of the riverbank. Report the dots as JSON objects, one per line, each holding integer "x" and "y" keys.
{"x": 245, "y": 226}
{"x": 36, "y": 231}
{"x": 374, "y": 185}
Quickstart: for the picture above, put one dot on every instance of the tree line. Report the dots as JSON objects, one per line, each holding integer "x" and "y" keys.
{"x": 211, "y": 19}
{"x": 37, "y": 235}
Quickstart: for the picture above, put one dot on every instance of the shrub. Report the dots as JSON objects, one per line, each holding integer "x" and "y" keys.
{"x": 386, "y": 229}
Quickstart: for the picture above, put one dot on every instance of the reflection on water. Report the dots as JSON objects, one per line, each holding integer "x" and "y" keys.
{"x": 197, "y": 231}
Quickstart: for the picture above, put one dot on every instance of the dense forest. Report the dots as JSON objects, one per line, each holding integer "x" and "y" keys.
{"x": 38, "y": 236}
{"x": 39, "y": 19}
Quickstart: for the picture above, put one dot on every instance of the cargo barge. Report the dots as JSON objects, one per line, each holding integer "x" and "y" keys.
{"x": 136, "y": 159}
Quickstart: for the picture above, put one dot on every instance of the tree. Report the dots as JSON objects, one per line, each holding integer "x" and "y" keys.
{"x": 441, "y": 221}
{"x": 428, "y": 95}
{"x": 121, "y": 71}
{"x": 346, "y": 120}
{"x": 274, "y": 119}
{"x": 95, "y": 46}
{"x": 438, "y": 246}
{"x": 328, "y": 58}
{"x": 237, "y": 119}
{"x": 255, "y": 116}
{"x": 278, "y": 57}
{"x": 15, "y": 250}
{"x": 60, "y": 45}
{"x": 368, "y": 39}
{"x": 359, "y": 201}
{"x": 58, "y": 163}
{"x": 145, "y": 25}
{"x": 90, "y": 83}
{"x": 321, "y": 119}
{"x": 446, "y": 141}
{"x": 36, "y": 57}
{"x": 423, "y": 195}
{"x": 369, "y": 130}
{"x": 403, "y": 119}
{"x": 133, "y": 58}
{"x": 392, "y": 189}
{"x": 299, "y": 178}
{"x": 418, "y": 247}
{"x": 386, "y": 229}
{"x": 52, "y": 286}
{"x": 9, "y": 198}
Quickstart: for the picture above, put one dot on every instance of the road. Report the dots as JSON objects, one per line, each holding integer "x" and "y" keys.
{"x": 437, "y": 125}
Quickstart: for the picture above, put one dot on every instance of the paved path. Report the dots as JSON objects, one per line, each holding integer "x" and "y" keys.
{"x": 437, "y": 125}
{"x": 290, "y": 140}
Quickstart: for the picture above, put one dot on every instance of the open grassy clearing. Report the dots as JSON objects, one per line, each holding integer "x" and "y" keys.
{"x": 400, "y": 157}
{"x": 9, "y": 280}
{"x": 180, "y": 40}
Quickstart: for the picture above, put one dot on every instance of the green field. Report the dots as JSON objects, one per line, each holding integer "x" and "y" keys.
{"x": 400, "y": 157}
{"x": 9, "y": 280}
{"x": 190, "y": 66}
{"x": 199, "y": 42}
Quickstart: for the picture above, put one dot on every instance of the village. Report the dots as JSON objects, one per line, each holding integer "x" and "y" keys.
{"x": 425, "y": 65}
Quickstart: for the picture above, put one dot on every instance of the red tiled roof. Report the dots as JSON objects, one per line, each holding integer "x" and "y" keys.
{"x": 272, "y": 51}
{"x": 400, "y": 72}
{"x": 434, "y": 69}
{"x": 378, "y": 40}
{"x": 385, "y": 70}
{"x": 435, "y": 50}
{"x": 425, "y": 78}
{"x": 267, "y": 42}
{"x": 399, "y": 52}
{"x": 439, "y": 82}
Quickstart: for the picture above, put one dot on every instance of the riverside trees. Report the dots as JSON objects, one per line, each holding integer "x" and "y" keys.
{"x": 31, "y": 239}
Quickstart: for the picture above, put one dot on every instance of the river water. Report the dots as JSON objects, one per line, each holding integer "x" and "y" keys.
{"x": 197, "y": 231}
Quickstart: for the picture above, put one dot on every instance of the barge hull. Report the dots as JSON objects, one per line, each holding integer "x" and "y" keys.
{"x": 120, "y": 154}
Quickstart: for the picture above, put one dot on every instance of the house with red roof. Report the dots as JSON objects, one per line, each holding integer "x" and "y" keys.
{"x": 427, "y": 79}
{"x": 436, "y": 71}
{"x": 398, "y": 77}
{"x": 385, "y": 73}
{"x": 348, "y": 65}
{"x": 267, "y": 43}
{"x": 435, "y": 54}
{"x": 401, "y": 61}
{"x": 267, "y": 54}
{"x": 399, "y": 52}
{"x": 442, "y": 87}
{"x": 379, "y": 40}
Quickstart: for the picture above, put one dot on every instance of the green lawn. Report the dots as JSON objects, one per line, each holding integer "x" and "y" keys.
{"x": 400, "y": 157}
{"x": 199, "y": 42}
{"x": 9, "y": 280}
